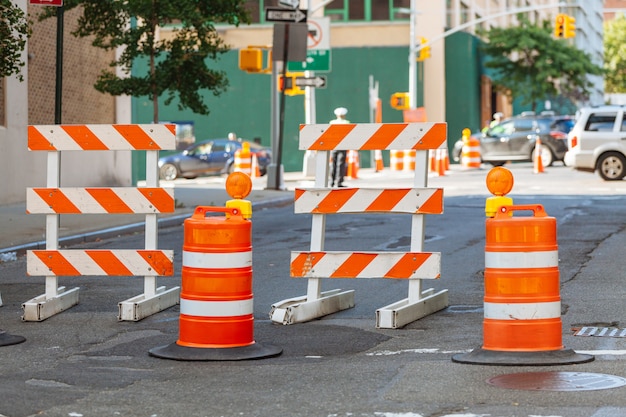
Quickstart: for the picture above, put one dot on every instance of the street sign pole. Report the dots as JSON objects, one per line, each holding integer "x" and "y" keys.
{"x": 59, "y": 67}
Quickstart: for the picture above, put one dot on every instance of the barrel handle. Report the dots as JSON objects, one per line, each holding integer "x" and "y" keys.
{"x": 201, "y": 211}
{"x": 537, "y": 209}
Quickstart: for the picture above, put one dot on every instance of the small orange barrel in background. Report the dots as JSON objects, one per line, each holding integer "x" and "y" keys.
{"x": 396, "y": 160}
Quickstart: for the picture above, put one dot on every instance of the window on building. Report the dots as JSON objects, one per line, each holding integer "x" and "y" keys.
{"x": 344, "y": 10}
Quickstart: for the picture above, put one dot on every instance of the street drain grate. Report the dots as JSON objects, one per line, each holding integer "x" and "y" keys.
{"x": 600, "y": 332}
{"x": 557, "y": 381}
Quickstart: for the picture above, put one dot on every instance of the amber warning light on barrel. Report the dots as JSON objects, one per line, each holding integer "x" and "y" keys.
{"x": 499, "y": 183}
{"x": 238, "y": 186}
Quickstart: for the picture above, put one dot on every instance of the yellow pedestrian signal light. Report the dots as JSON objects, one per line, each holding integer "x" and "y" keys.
{"x": 569, "y": 27}
{"x": 288, "y": 83}
{"x": 424, "y": 51}
{"x": 559, "y": 25}
{"x": 400, "y": 101}
{"x": 251, "y": 60}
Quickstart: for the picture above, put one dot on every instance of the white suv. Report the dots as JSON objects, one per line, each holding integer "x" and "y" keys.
{"x": 598, "y": 142}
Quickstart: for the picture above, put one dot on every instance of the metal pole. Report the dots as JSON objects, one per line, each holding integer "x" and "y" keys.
{"x": 59, "y": 67}
{"x": 412, "y": 57}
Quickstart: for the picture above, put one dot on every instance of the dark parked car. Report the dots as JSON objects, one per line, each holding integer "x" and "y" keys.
{"x": 514, "y": 139}
{"x": 215, "y": 156}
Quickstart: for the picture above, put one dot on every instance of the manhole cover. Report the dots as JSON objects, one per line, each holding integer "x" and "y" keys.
{"x": 557, "y": 381}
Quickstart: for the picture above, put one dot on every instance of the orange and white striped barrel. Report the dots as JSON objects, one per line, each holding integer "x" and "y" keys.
{"x": 522, "y": 300}
{"x": 409, "y": 160}
{"x": 216, "y": 301}
{"x": 243, "y": 160}
{"x": 396, "y": 160}
{"x": 470, "y": 152}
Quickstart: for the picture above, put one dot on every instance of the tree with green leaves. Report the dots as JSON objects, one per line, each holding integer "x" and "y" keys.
{"x": 14, "y": 31}
{"x": 178, "y": 65}
{"x": 615, "y": 55}
{"x": 531, "y": 65}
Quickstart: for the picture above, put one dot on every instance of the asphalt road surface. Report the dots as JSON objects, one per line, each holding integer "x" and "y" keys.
{"x": 83, "y": 362}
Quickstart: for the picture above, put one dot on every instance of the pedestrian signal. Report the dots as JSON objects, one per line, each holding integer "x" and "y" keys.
{"x": 400, "y": 101}
{"x": 288, "y": 83}
{"x": 569, "y": 27}
{"x": 424, "y": 51}
{"x": 251, "y": 60}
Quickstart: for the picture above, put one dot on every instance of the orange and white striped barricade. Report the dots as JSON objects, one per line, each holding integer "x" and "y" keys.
{"x": 320, "y": 201}
{"x": 522, "y": 309}
{"x": 53, "y": 201}
{"x": 216, "y": 302}
{"x": 396, "y": 160}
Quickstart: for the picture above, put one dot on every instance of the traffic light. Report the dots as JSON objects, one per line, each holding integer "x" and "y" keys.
{"x": 400, "y": 101}
{"x": 288, "y": 83}
{"x": 559, "y": 25}
{"x": 569, "y": 27}
{"x": 424, "y": 51}
{"x": 251, "y": 60}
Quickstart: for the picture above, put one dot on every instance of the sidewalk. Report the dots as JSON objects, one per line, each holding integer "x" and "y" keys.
{"x": 22, "y": 231}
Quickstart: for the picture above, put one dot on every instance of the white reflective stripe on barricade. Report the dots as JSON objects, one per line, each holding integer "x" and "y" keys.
{"x": 216, "y": 308}
{"x": 516, "y": 260}
{"x": 523, "y": 311}
{"x": 217, "y": 260}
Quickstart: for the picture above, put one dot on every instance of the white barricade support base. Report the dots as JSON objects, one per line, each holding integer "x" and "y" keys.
{"x": 403, "y": 312}
{"x": 140, "y": 307}
{"x": 300, "y": 310}
{"x": 40, "y": 308}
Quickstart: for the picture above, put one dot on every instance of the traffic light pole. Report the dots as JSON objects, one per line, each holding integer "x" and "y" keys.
{"x": 484, "y": 19}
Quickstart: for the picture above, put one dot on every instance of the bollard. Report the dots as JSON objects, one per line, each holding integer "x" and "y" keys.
{"x": 216, "y": 301}
{"x": 522, "y": 305}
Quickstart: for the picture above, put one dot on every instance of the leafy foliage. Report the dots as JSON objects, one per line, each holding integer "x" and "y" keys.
{"x": 532, "y": 65}
{"x": 178, "y": 64}
{"x": 14, "y": 30}
{"x": 615, "y": 55}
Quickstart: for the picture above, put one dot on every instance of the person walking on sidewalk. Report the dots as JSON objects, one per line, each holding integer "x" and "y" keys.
{"x": 339, "y": 167}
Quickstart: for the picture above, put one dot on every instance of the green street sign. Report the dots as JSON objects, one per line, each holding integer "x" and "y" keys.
{"x": 317, "y": 60}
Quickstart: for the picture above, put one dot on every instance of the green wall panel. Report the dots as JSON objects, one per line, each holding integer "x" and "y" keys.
{"x": 245, "y": 107}
{"x": 462, "y": 85}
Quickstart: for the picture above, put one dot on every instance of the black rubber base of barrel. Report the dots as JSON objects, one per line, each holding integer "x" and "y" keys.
{"x": 507, "y": 358}
{"x": 9, "y": 339}
{"x": 184, "y": 353}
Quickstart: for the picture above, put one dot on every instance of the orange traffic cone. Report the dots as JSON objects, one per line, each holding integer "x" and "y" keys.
{"x": 378, "y": 158}
{"x": 538, "y": 165}
{"x": 256, "y": 171}
{"x": 353, "y": 164}
{"x": 432, "y": 160}
{"x": 441, "y": 163}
